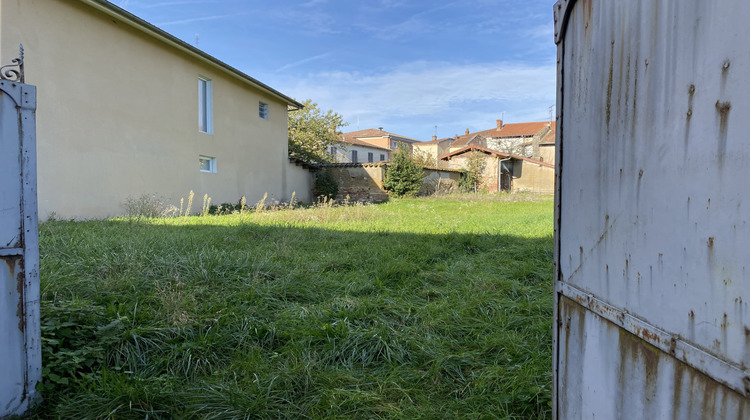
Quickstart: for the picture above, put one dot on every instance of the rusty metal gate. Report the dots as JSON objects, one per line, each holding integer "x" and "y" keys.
{"x": 652, "y": 224}
{"x": 20, "y": 347}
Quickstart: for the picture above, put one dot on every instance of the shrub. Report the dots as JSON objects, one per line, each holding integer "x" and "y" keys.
{"x": 147, "y": 205}
{"x": 403, "y": 177}
{"x": 325, "y": 185}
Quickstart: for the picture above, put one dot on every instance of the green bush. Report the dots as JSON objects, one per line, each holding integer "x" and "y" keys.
{"x": 403, "y": 177}
{"x": 325, "y": 185}
{"x": 74, "y": 338}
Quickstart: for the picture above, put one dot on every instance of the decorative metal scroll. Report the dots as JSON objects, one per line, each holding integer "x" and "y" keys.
{"x": 14, "y": 72}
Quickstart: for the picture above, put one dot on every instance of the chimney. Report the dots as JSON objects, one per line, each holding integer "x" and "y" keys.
{"x": 380, "y": 128}
{"x": 499, "y": 123}
{"x": 434, "y": 137}
{"x": 456, "y": 137}
{"x": 467, "y": 131}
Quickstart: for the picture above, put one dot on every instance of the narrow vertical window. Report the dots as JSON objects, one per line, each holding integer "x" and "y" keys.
{"x": 205, "y": 106}
{"x": 263, "y": 110}
{"x": 369, "y": 157}
{"x": 354, "y": 156}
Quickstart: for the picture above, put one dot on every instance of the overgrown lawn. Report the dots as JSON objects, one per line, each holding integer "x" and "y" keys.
{"x": 417, "y": 308}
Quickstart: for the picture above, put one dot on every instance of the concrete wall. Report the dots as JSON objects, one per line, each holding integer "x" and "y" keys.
{"x": 299, "y": 182}
{"x": 118, "y": 115}
{"x": 533, "y": 177}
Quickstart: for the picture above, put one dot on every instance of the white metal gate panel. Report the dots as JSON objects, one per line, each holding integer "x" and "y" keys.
{"x": 20, "y": 347}
{"x": 653, "y": 209}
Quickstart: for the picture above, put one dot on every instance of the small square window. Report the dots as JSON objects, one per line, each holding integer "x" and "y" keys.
{"x": 382, "y": 157}
{"x": 394, "y": 144}
{"x": 207, "y": 164}
{"x": 369, "y": 157}
{"x": 263, "y": 110}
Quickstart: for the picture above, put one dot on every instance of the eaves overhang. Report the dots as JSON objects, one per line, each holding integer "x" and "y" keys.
{"x": 169, "y": 39}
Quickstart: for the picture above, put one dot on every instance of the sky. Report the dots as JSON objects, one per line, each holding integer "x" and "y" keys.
{"x": 414, "y": 67}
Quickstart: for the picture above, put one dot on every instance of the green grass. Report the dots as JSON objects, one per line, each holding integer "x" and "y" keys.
{"x": 416, "y": 308}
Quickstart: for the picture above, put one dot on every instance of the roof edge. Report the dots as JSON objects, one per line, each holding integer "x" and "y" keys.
{"x": 143, "y": 26}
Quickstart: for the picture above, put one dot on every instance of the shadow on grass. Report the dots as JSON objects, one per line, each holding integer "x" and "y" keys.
{"x": 211, "y": 321}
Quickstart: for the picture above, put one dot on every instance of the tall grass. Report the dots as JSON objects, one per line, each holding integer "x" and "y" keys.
{"x": 411, "y": 309}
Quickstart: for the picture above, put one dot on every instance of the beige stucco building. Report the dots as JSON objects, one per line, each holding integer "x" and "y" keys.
{"x": 505, "y": 172}
{"x": 126, "y": 109}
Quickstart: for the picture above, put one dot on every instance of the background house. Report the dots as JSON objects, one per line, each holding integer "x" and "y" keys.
{"x": 371, "y": 140}
{"x": 433, "y": 149}
{"x": 125, "y": 109}
{"x": 504, "y": 171}
{"x": 354, "y": 150}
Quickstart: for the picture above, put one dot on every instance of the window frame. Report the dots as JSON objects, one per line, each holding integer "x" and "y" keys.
{"x": 370, "y": 157}
{"x": 382, "y": 157}
{"x": 354, "y": 156}
{"x": 205, "y": 105}
{"x": 263, "y": 111}
{"x": 211, "y": 162}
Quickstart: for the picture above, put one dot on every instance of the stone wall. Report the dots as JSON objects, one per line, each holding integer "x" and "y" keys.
{"x": 364, "y": 181}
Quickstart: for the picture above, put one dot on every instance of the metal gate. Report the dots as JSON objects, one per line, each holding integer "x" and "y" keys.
{"x": 652, "y": 224}
{"x": 20, "y": 347}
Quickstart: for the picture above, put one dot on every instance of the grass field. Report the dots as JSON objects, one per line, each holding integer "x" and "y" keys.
{"x": 416, "y": 308}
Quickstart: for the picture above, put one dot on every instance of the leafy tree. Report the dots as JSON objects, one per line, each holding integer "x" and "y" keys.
{"x": 403, "y": 177}
{"x": 472, "y": 174}
{"x": 325, "y": 185}
{"x": 312, "y": 132}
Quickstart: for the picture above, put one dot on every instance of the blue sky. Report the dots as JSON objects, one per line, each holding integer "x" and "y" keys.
{"x": 404, "y": 65}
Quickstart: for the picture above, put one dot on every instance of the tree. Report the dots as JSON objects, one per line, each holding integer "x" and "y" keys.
{"x": 472, "y": 174}
{"x": 403, "y": 177}
{"x": 312, "y": 132}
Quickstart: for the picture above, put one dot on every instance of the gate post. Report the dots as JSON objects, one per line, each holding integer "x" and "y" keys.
{"x": 20, "y": 335}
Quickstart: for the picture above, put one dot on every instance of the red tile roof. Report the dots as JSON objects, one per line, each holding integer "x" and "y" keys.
{"x": 473, "y": 147}
{"x": 462, "y": 141}
{"x": 373, "y": 132}
{"x": 357, "y": 142}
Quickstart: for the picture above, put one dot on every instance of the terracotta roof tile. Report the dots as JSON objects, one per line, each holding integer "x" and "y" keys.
{"x": 374, "y": 132}
{"x": 357, "y": 142}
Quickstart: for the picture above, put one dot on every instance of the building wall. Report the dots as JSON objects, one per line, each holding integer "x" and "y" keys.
{"x": 533, "y": 177}
{"x": 345, "y": 155}
{"x": 299, "y": 182}
{"x": 387, "y": 142}
{"x": 118, "y": 111}
{"x": 490, "y": 173}
{"x": 547, "y": 152}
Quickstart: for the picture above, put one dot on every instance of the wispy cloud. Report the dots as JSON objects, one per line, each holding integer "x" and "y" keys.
{"x": 413, "y": 24}
{"x": 304, "y": 61}
{"x": 432, "y": 93}
{"x": 196, "y": 19}
{"x": 313, "y": 3}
